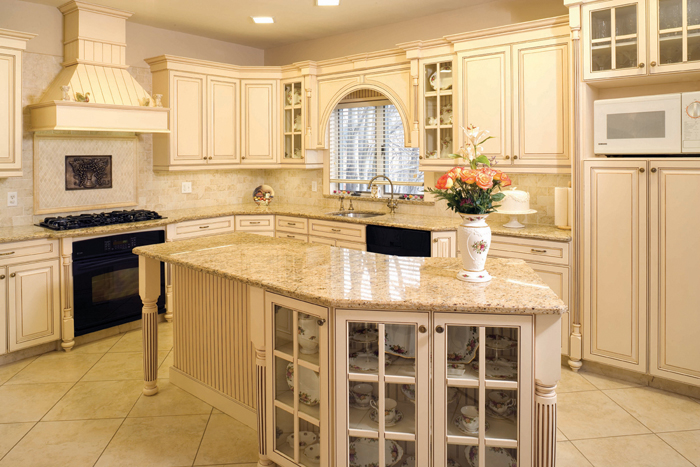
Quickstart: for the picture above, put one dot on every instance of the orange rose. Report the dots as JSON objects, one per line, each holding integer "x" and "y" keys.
{"x": 469, "y": 176}
{"x": 497, "y": 175}
{"x": 484, "y": 180}
{"x": 444, "y": 183}
{"x": 455, "y": 173}
{"x": 505, "y": 180}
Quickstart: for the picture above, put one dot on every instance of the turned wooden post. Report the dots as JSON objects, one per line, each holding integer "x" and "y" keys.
{"x": 149, "y": 290}
{"x": 547, "y": 375}
{"x": 68, "y": 322}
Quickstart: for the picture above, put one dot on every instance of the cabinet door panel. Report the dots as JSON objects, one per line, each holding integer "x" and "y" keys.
{"x": 259, "y": 121}
{"x": 615, "y": 263}
{"x": 485, "y": 78}
{"x": 542, "y": 101}
{"x": 674, "y": 255}
{"x": 224, "y": 127}
{"x": 444, "y": 245}
{"x": 557, "y": 278}
{"x": 10, "y": 110}
{"x": 33, "y": 304}
{"x": 188, "y": 116}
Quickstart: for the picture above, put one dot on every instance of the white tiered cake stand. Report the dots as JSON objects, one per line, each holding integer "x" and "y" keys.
{"x": 513, "y": 223}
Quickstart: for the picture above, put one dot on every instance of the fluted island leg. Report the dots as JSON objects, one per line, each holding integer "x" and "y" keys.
{"x": 261, "y": 389}
{"x": 545, "y": 425}
{"x": 149, "y": 290}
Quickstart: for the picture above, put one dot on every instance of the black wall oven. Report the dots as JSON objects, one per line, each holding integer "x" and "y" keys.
{"x": 106, "y": 280}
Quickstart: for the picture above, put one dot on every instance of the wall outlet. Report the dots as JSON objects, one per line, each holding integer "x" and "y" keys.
{"x": 187, "y": 187}
{"x": 314, "y": 186}
{"x": 12, "y": 198}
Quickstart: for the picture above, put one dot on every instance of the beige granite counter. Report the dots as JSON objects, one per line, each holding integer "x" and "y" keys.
{"x": 407, "y": 221}
{"x": 340, "y": 277}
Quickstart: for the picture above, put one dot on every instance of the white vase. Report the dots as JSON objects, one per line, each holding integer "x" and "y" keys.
{"x": 474, "y": 237}
{"x": 307, "y": 334}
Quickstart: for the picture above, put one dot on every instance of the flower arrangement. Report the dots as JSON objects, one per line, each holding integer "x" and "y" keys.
{"x": 473, "y": 189}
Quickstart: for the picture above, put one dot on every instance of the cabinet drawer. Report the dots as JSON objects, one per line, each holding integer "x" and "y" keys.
{"x": 259, "y": 223}
{"x": 201, "y": 227}
{"x": 32, "y": 250}
{"x": 322, "y": 240}
{"x": 292, "y": 236}
{"x": 292, "y": 224}
{"x": 540, "y": 251}
{"x": 351, "y": 245}
{"x": 338, "y": 230}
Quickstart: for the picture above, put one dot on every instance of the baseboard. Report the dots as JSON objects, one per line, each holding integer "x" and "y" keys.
{"x": 211, "y": 396}
{"x": 29, "y": 352}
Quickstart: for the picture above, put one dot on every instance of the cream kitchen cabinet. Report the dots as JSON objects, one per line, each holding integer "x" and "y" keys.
{"x": 438, "y": 89}
{"x": 674, "y": 36}
{"x": 256, "y": 224}
{"x": 223, "y": 120}
{"x": 3, "y": 310}
{"x": 12, "y": 43}
{"x": 259, "y": 135}
{"x": 443, "y": 244}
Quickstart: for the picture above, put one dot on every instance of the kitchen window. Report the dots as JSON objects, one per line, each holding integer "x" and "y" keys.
{"x": 368, "y": 140}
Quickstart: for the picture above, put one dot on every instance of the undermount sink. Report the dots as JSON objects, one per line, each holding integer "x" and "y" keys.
{"x": 355, "y": 214}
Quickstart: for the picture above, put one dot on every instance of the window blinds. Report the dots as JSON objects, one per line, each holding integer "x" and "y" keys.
{"x": 369, "y": 141}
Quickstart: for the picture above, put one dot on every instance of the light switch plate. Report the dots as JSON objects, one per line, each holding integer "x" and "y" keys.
{"x": 314, "y": 186}
{"x": 12, "y": 198}
{"x": 187, "y": 187}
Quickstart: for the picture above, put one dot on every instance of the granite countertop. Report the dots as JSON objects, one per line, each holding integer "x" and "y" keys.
{"x": 407, "y": 221}
{"x": 339, "y": 277}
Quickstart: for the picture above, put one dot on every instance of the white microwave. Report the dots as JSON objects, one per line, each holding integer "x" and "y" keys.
{"x": 666, "y": 124}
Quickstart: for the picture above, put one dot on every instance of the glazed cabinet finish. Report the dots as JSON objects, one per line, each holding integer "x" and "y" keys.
{"x": 10, "y": 112}
{"x": 674, "y": 36}
{"x": 259, "y": 121}
{"x": 443, "y": 245}
{"x": 188, "y": 111}
{"x": 674, "y": 193}
{"x": 223, "y": 120}
{"x": 615, "y": 263}
{"x": 33, "y": 304}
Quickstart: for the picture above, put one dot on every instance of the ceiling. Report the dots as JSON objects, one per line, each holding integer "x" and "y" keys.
{"x": 295, "y": 20}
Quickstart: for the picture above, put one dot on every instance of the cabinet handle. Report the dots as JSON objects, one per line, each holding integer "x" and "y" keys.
{"x": 253, "y": 223}
{"x": 321, "y": 322}
{"x": 534, "y": 250}
{"x": 2, "y": 277}
{"x": 291, "y": 236}
{"x": 203, "y": 226}
{"x": 291, "y": 223}
{"x": 641, "y": 171}
{"x": 641, "y": 65}
{"x": 13, "y": 274}
{"x": 439, "y": 329}
{"x": 422, "y": 329}
{"x": 515, "y": 157}
{"x": 653, "y": 64}
{"x": 7, "y": 254}
{"x": 653, "y": 170}
{"x": 335, "y": 230}
{"x": 507, "y": 157}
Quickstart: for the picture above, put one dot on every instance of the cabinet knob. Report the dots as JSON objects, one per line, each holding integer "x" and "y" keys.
{"x": 435, "y": 240}
{"x": 243, "y": 156}
{"x": 2, "y": 277}
{"x": 653, "y": 64}
{"x": 13, "y": 274}
{"x": 422, "y": 329}
{"x": 420, "y": 157}
{"x": 641, "y": 171}
{"x": 321, "y": 322}
{"x": 653, "y": 170}
{"x": 641, "y": 65}
{"x": 439, "y": 329}
{"x": 515, "y": 157}
{"x": 507, "y": 157}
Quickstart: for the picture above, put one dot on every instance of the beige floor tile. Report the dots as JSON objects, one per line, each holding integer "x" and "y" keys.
{"x": 217, "y": 446}
{"x": 560, "y": 436}
{"x": 119, "y": 366}
{"x": 607, "y": 382}
{"x": 630, "y": 451}
{"x": 9, "y": 370}
{"x": 591, "y": 414}
{"x": 132, "y": 341}
{"x": 99, "y": 346}
{"x": 164, "y": 370}
{"x": 170, "y": 400}
{"x": 659, "y": 410}
{"x": 569, "y": 456}
{"x": 155, "y": 442}
{"x": 572, "y": 382}
{"x": 97, "y": 399}
{"x": 685, "y": 442}
{"x": 56, "y": 367}
{"x": 30, "y": 402}
{"x": 72, "y": 443}
{"x": 10, "y": 434}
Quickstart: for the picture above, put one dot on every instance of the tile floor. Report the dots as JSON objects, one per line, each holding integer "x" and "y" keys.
{"x": 85, "y": 408}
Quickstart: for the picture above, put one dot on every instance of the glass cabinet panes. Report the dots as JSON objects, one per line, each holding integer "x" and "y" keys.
{"x": 601, "y": 24}
{"x": 437, "y": 110}
{"x": 293, "y": 121}
{"x": 614, "y": 39}
{"x": 678, "y": 26}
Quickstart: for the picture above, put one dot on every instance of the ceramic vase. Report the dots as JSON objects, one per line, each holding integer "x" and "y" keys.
{"x": 474, "y": 237}
{"x": 308, "y": 334}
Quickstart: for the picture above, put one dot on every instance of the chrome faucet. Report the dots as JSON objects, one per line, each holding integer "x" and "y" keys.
{"x": 392, "y": 204}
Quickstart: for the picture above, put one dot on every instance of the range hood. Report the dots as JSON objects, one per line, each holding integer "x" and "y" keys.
{"x": 95, "y": 62}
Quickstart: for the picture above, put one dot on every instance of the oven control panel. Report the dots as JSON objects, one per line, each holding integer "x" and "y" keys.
{"x": 115, "y": 244}
{"x": 128, "y": 243}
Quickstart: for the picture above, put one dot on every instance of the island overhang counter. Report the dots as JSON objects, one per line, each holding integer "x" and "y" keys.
{"x": 310, "y": 344}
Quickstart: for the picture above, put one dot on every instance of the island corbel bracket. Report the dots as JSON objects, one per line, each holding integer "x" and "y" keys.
{"x": 149, "y": 290}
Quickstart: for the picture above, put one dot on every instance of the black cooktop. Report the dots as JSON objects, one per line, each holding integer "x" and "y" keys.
{"x": 82, "y": 221}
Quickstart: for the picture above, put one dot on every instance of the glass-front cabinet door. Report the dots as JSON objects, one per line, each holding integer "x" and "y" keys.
{"x": 382, "y": 388}
{"x": 293, "y": 122}
{"x": 614, "y": 39}
{"x": 437, "y": 115}
{"x": 674, "y": 35}
{"x": 297, "y": 382}
{"x": 483, "y": 379}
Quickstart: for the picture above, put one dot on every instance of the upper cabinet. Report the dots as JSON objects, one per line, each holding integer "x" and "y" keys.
{"x": 437, "y": 112}
{"x": 223, "y": 120}
{"x": 12, "y": 43}
{"x": 617, "y": 42}
{"x": 259, "y": 121}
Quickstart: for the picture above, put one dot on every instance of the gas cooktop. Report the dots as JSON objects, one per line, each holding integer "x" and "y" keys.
{"x": 82, "y": 221}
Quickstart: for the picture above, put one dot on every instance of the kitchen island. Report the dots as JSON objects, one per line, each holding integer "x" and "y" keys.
{"x": 301, "y": 340}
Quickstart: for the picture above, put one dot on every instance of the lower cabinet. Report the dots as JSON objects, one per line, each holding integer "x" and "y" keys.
{"x": 297, "y": 382}
{"x": 33, "y": 304}
{"x": 443, "y": 244}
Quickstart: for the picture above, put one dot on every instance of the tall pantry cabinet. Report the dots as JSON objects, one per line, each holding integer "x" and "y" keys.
{"x": 640, "y": 287}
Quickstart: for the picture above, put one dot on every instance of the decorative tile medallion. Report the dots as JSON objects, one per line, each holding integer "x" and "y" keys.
{"x": 88, "y": 172}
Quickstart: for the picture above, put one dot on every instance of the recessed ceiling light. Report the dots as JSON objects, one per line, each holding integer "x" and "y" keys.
{"x": 263, "y": 19}
{"x": 327, "y": 2}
